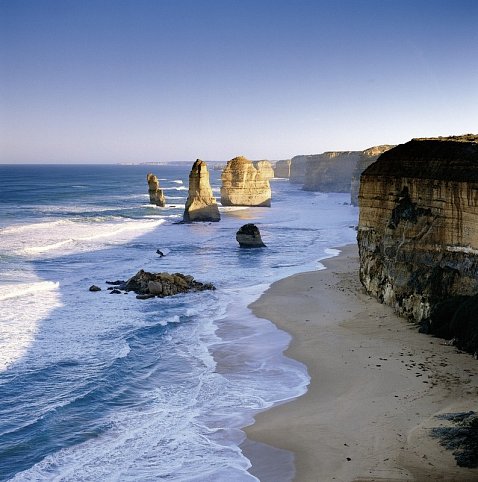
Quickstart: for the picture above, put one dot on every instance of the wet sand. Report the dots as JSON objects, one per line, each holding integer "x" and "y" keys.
{"x": 376, "y": 385}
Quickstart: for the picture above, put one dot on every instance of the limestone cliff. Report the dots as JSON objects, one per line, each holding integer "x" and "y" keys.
{"x": 418, "y": 226}
{"x": 330, "y": 171}
{"x": 244, "y": 185}
{"x": 282, "y": 168}
{"x": 201, "y": 204}
{"x": 265, "y": 168}
{"x": 298, "y": 165}
{"x": 156, "y": 195}
{"x": 366, "y": 158}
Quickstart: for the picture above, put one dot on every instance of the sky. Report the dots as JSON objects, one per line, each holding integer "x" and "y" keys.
{"x": 102, "y": 81}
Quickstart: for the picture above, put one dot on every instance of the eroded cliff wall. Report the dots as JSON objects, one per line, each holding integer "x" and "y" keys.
{"x": 418, "y": 225}
{"x": 298, "y": 165}
{"x": 282, "y": 168}
{"x": 330, "y": 171}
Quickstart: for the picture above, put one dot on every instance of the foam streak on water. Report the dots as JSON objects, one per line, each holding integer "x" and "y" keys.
{"x": 99, "y": 386}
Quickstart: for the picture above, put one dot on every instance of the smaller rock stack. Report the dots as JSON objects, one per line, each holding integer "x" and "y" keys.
{"x": 249, "y": 236}
{"x": 156, "y": 195}
{"x": 201, "y": 204}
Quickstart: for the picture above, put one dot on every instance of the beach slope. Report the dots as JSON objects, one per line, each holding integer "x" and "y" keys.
{"x": 376, "y": 385}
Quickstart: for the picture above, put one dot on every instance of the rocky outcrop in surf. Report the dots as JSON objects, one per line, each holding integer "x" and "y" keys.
{"x": 156, "y": 195}
{"x": 245, "y": 185}
{"x": 418, "y": 233}
{"x": 201, "y": 204}
{"x": 366, "y": 158}
{"x": 146, "y": 284}
{"x": 249, "y": 236}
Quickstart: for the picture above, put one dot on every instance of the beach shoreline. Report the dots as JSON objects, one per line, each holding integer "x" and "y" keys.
{"x": 376, "y": 385}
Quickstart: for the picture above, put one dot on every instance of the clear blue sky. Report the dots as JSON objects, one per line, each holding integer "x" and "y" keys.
{"x": 143, "y": 80}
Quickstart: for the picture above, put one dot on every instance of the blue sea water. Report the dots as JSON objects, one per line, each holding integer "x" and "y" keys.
{"x": 98, "y": 386}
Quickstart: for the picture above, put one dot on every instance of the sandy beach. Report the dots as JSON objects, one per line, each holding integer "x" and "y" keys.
{"x": 376, "y": 385}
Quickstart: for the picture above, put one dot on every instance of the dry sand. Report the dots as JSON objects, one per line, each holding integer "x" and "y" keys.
{"x": 376, "y": 385}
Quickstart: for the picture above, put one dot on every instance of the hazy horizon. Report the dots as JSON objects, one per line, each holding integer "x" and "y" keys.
{"x": 160, "y": 81}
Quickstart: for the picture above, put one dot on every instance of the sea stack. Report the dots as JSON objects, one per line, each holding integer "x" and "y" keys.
{"x": 249, "y": 236}
{"x": 418, "y": 226}
{"x": 156, "y": 195}
{"x": 244, "y": 185}
{"x": 201, "y": 204}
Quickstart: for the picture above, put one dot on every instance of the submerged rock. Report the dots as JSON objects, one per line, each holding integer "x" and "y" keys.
{"x": 245, "y": 185}
{"x": 201, "y": 204}
{"x": 94, "y": 288}
{"x": 249, "y": 236}
{"x": 156, "y": 195}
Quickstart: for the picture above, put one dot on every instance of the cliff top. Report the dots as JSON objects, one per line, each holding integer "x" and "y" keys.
{"x": 452, "y": 158}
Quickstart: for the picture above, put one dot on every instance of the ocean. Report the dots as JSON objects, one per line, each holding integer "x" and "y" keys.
{"x": 101, "y": 386}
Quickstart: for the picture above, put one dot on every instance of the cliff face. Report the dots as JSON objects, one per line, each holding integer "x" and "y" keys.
{"x": 244, "y": 185}
{"x": 366, "y": 158}
{"x": 330, "y": 171}
{"x": 298, "y": 165}
{"x": 282, "y": 168}
{"x": 265, "y": 168}
{"x": 418, "y": 226}
{"x": 201, "y": 204}
{"x": 156, "y": 195}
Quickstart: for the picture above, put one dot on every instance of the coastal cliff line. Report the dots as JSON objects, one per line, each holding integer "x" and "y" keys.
{"x": 418, "y": 231}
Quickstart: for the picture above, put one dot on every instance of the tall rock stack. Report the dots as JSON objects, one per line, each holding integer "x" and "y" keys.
{"x": 244, "y": 185}
{"x": 201, "y": 204}
{"x": 418, "y": 226}
{"x": 156, "y": 195}
{"x": 367, "y": 157}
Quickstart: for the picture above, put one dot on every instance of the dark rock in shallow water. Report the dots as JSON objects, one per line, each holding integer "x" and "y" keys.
{"x": 116, "y": 283}
{"x": 164, "y": 284}
{"x": 94, "y": 288}
{"x": 115, "y": 292}
{"x": 249, "y": 236}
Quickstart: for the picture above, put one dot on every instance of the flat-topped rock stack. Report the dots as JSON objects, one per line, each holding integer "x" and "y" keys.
{"x": 156, "y": 195}
{"x": 245, "y": 185}
{"x": 201, "y": 204}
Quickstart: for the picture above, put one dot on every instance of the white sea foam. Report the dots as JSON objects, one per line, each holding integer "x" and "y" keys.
{"x": 19, "y": 320}
{"x": 9, "y": 291}
{"x": 66, "y": 236}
